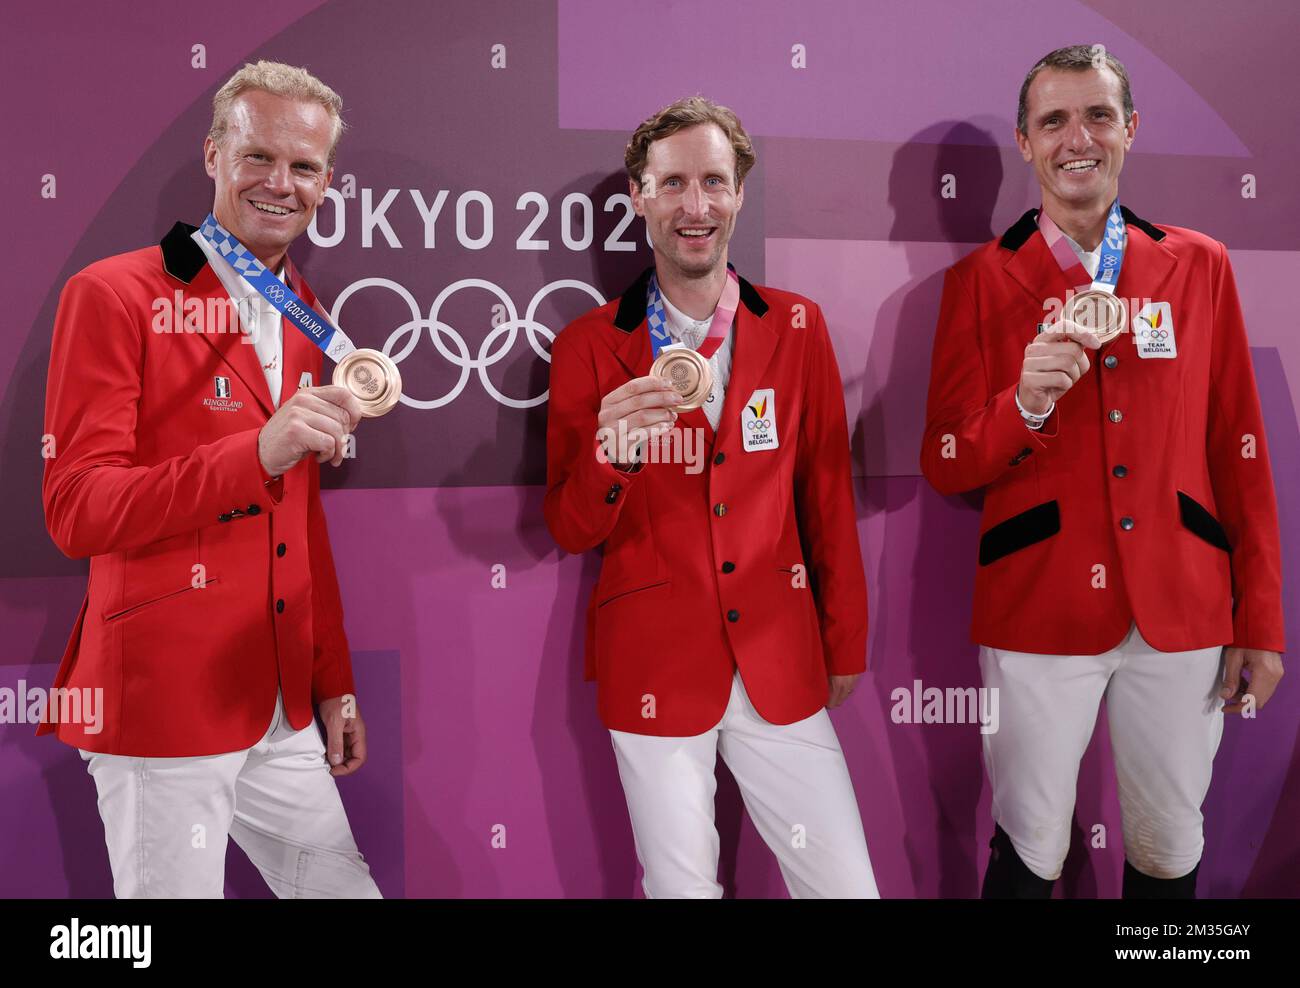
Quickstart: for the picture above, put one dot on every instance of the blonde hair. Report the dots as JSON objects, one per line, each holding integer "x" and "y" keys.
{"x": 278, "y": 79}
{"x": 689, "y": 112}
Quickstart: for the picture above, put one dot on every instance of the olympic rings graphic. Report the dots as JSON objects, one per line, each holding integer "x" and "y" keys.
{"x": 758, "y": 424}
{"x": 1153, "y": 334}
{"x": 461, "y": 357}
{"x": 275, "y": 293}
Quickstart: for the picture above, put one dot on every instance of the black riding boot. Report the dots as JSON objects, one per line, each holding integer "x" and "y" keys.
{"x": 1140, "y": 886}
{"x": 1007, "y": 877}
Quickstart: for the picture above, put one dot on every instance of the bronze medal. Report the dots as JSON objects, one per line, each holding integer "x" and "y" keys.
{"x": 687, "y": 372}
{"x": 1097, "y": 312}
{"x": 373, "y": 378}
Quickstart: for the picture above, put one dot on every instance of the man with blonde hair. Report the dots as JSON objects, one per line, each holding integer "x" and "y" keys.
{"x": 212, "y": 622}
{"x": 731, "y": 609}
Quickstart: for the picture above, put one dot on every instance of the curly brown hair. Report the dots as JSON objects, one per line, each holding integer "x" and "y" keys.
{"x": 689, "y": 111}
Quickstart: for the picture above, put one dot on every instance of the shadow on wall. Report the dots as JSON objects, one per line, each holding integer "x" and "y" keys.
{"x": 942, "y": 816}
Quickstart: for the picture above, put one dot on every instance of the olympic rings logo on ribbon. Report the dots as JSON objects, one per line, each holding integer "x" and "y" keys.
{"x": 462, "y": 358}
{"x": 275, "y": 293}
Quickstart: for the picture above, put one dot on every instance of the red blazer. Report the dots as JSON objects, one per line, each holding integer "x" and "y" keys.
{"x": 1141, "y": 469}
{"x": 753, "y": 560}
{"x": 208, "y": 585}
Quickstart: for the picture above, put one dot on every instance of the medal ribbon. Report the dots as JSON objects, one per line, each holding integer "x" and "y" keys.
{"x": 316, "y": 327}
{"x": 1113, "y": 243}
{"x": 723, "y": 316}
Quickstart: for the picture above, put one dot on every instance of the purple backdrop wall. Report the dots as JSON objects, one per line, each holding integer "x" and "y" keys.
{"x": 477, "y": 713}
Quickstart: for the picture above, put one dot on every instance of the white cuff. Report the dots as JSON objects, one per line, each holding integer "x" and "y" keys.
{"x": 1034, "y": 420}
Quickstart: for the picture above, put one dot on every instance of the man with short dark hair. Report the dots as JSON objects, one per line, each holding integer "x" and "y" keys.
{"x": 1091, "y": 375}
{"x": 731, "y": 608}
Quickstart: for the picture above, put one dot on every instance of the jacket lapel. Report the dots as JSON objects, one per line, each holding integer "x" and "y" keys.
{"x": 633, "y": 350}
{"x": 185, "y": 262}
{"x": 234, "y": 346}
{"x": 696, "y": 419}
{"x": 1147, "y": 266}
{"x": 1148, "y": 263}
{"x": 1036, "y": 270}
{"x": 754, "y": 345}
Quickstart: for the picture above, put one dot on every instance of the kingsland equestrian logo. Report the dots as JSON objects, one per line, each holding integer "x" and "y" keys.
{"x": 222, "y": 402}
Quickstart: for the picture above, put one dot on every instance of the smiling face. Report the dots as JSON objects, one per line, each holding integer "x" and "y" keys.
{"x": 689, "y": 198}
{"x": 1076, "y": 137}
{"x": 271, "y": 170}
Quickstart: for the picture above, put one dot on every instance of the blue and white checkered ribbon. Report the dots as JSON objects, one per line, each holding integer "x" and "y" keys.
{"x": 656, "y": 319}
{"x": 1113, "y": 242}
{"x": 316, "y": 327}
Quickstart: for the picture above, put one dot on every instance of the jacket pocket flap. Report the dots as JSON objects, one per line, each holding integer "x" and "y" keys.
{"x": 1200, "y": 522}
{"x": 137, "y": 605}
{"x": 624, "y": 591}
{"x": 1020, "y": 531}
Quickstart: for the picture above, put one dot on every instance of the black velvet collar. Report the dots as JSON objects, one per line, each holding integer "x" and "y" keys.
{"x": 631, "y": 307}
{"x": 182, "y": 257}
{"x": 1024, "y": 228}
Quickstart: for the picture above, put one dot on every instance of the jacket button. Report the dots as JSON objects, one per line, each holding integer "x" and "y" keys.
{"x": 225, "y": 517}
{"x": 281, "y": 549}
{"x": 254, "y": 509}
{"x": 717, "y": 460}
{"x": 719, "y": 509}
{"x": 1120, "y": 471}
{"x": 612, "y": 496}
{"x": 728, "y": 567}
{"x": 1111, "y": 361}
{"x": 1126, "y": 523}
{"x": 1116, "y": 415}
{"x": 279, "y": 606}
{"x": 733, "y": 616}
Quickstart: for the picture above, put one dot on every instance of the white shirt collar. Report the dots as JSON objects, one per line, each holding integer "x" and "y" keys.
{"x": 1090, "y": 259}
{"x": 682, "y": 327}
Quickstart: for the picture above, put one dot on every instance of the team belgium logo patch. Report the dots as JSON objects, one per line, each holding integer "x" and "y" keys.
{"x": 1153, "y": 331}
{"x": 758, "y": 421}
